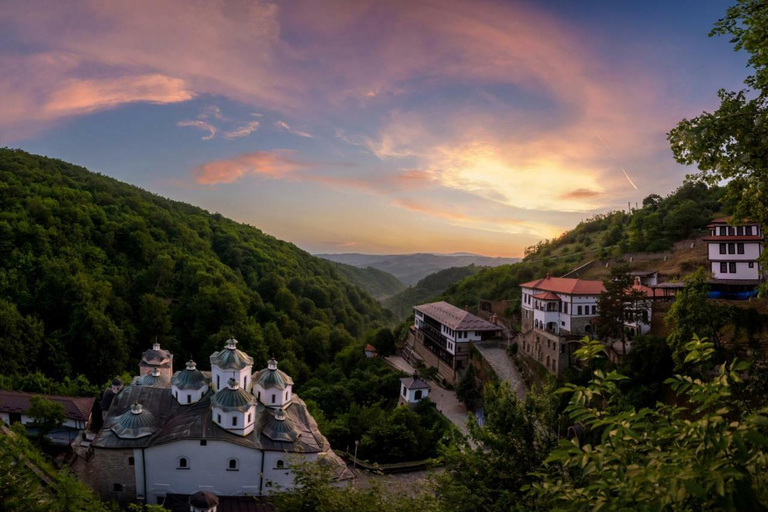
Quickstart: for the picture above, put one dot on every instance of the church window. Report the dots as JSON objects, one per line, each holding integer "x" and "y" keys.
{"x": 189, "y": 398}
{"x": 218, "y": 420}
{"x": 117, "y": 487}
{"x": 249, "y": 417}
{"x": 234, "y": 421}
{"x": 280, "y": 464}
{"x": 245, "y": 382}
{"x": 286, "y": 396}
{"x": 274, "y": 397}
{"x": 131, "y": 461}
{"x": 176, "y": 394}
{"x": 417, "y": 395}
{"x": 183, "y": 463}
{"x": 259, "y": 395}
{"x": 218, "y": 382}
{"x": 232, "y": 465}
{"x": 203, "y": 442}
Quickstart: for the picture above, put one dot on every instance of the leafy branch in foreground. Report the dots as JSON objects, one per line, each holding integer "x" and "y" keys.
{"x": 704, "y": 455}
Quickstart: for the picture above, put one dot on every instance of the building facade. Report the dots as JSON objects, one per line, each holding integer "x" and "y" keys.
{"x": 441, "y": 337}
{"x": 187, "y": 434}
{"x": 734, "y": 250}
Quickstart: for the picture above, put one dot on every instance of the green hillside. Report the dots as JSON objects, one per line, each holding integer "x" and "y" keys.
{"x": 378, "y": 283}
{"x": 654, "y": 226}
{"x": 427, "y": 289}
{"x": 93, "y": 270}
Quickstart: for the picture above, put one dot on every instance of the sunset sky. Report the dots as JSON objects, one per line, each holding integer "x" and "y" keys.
{"x": 369, "y": 126}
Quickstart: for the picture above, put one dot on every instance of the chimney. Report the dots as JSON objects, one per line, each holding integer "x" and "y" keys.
{"x": 466, "y": 307}
{"x": 495, "y": 319}
{"x": 637, "y": 280}
{"x": 547, "y": 275}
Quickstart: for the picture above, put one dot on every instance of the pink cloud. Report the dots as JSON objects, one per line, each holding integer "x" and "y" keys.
{"x": 277, "y": 164}
{"x": 242, "y": 131}
{"x": 198, "y": 123}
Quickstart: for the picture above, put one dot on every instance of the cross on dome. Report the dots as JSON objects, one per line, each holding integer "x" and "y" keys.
{"x": 272, "y": 365}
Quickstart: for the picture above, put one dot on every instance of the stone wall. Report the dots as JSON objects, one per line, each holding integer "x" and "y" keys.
{"x": 106, "y": 468}
{"x": 548, "y": 349}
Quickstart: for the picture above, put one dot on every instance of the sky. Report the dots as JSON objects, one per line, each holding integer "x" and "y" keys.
{"x": 369, "y": 126}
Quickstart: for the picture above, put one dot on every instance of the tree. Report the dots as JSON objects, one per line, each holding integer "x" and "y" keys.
{"x": 467, "y": 390}
{"x": 486, "y": 471}
{"x": 708, "y": 455}
{"x": 693, "y": 312}
{"x": 47, "y": 415}
{"x": 731, "y": 144}
{"x": 385, "y": 341}
{"x": 618, "y": 304}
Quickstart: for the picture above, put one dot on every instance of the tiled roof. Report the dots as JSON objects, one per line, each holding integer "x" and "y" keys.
{"x": 733, "y": 238}
{"x": 727, "y": 220}
{"x": 566, "y": 285}
{"x": 414, "y": 382}
{"x": 370, "y": 348}
{"x": 455, "y": 318}
{"x": 75, "y": 408}
{"x": 649, "y": 292}
{"x": 546, "y": 296}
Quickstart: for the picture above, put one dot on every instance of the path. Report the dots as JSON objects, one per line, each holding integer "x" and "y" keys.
{"x": 445, "y": 400}
{"x": 505, "y": 369}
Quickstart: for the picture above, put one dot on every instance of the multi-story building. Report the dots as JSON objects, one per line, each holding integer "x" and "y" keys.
{"x": 556, "y": 313}
{"x": 734, "y": 251}
{"x": 228, "y": 431}
{"x": 441, "y": 338}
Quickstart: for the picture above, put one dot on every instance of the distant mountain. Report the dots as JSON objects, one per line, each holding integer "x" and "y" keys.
{"x": 378, "y": 283}
{"x": 411, "y": 268}
{"x": 427, "y": 289}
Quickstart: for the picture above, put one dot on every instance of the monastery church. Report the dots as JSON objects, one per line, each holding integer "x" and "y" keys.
{"x": 228, "y": 432}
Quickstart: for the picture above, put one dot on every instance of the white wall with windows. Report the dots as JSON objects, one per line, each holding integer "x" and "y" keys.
{"x": 735, "y": 269}
{"x": 413, "y": 396}
{"x": 273, "y": 397}
{"x": 188, "y": 396}
{"x": 734, "y": 250}
{"x": 220, "y": 377}
{"x": 237, "y": 422}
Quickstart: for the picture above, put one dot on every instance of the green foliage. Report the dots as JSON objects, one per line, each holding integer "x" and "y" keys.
{"x": 427, "y": 289}
{"x": 93, "y": 270}
{"x": 21, "y": 489}
{"x": 378, "y": 283}
{"x": 692, "y": 312}
{"x": 47, "y": 415}
{"x": 647, "y": 366}
{"x": 467, "y": 391}
{"x": 706, "y": 456}
{"x": 315, "y": 491}
{"x": 385, "y": 342}
{"x": 487, "y": 471}
{"x": 38, "y": 383}
{"x": 619, "y": 304}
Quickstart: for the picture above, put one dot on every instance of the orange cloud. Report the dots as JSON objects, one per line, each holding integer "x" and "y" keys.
{"x": 242, "y": 131}
{"x": 276, "y": 164}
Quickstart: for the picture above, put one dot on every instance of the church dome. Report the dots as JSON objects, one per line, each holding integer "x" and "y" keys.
{"x": 233, "y": 398}
{"x": 189, "y": 378}
{"x": 203, "y": 500}
{"x": 155, "y": 378}
{"x": 280, "y": 428}
{"x": 271, "y": 377}
{"x": 156, "y": 356}
{"x": 231, "y": 358}
{"x": 134, "y": 423}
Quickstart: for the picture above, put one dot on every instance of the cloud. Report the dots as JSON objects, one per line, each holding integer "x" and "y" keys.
{"x": 242, "y": 131}
{"x": 284, "y": 126}
{"x": 580, "y": 193}
{"x": 276, "y": 164}
{"x": 197, "y": 123}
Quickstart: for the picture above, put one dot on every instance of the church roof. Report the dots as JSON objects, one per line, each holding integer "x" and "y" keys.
{"x": 203, "y": 499}
{"x": 278, "y": 427}
{"x": 231, "y": 358}
{"x": 177, "y": 422}
{"x": 153, "y": 379}
{"x": 415, "y": 382}
{"x": 271, "y": 377}
{"x": 233, "y": 399}
{"x": 189, "y": 378}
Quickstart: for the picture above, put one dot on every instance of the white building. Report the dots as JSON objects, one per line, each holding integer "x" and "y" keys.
{"x": 14, "y": 407}
{"x": 734, "y": 251}
{"x": 413, "y": 390}
{"x": 178, "y": 437}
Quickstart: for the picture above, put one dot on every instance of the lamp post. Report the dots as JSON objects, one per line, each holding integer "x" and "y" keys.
{"x": 354, "y": 463}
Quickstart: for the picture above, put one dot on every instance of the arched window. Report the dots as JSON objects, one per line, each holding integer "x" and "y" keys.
{"x": 131, "y": 461}
{"x": 183, "y": 463}
{"x": 280, "y": 464}
{"x": 417, "y": 395}
{"x": 232, "y": 465}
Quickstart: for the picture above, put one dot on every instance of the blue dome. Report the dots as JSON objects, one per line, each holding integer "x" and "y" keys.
{"x": 134, "y": 423}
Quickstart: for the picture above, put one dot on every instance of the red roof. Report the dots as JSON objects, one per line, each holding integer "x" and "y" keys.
{"x": 75, "y": 407}
{"x": 727, "y": 220}
{"x": 546, "y": 296}
{"x": 649, "y": 292}
{"x": 370, "y": 348}
{"x": 566, "y": 285}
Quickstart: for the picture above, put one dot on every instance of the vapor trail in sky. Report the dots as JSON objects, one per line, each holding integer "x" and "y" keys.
{"x": 617, "y": 162}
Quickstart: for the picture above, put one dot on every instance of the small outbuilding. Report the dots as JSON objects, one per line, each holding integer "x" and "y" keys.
{"x": 370, "y": 351}
{"x": 413, "y": 389}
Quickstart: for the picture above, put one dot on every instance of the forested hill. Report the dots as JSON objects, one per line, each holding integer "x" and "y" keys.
{"x": 93, "y": 270}
{"x": 427, "y": 289}
{"x": 653, "y": 226}
{"x": 378, "y": 283}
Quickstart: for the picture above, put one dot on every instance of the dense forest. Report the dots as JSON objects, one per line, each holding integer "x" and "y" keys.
{"x": 654, "y": 226}
{"x": 93, "y": 270}
{"x": 378, "y": 283}
{"x": 427, "y": 289}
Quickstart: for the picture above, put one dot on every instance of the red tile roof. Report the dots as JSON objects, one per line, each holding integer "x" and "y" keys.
{"x": 75, "y": 408}
{"x": 727, "y": 220}
{"x": 370, "y": 348}
{"x": 546, "y": 296}
{"x": 649, "y": 292}
{"x": 566, "y": 285}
